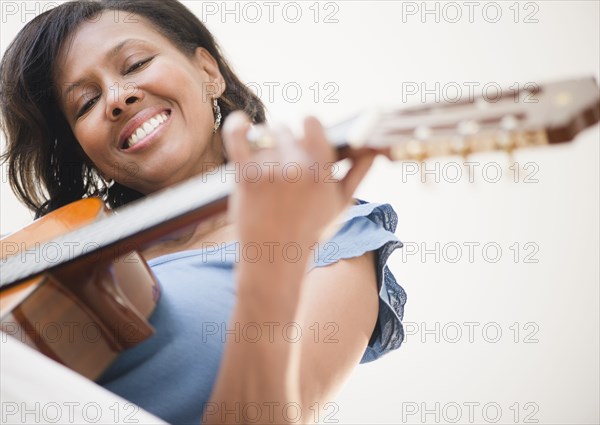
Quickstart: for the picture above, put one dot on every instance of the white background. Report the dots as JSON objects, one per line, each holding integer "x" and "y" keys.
{"x": 366, "y": 54}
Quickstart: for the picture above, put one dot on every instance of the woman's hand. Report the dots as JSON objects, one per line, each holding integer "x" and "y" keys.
{"x": 286, "y": 194}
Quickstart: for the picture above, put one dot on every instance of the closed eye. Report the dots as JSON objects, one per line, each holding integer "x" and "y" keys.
{"x": 138, "y": 65}
{"x": 88, "y": 105}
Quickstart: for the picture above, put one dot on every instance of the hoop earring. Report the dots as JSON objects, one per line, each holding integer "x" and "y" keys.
{"x": 217, "y": 113}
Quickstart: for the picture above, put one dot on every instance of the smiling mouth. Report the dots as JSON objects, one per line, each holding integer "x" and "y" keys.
{"x": 146, "y": 129}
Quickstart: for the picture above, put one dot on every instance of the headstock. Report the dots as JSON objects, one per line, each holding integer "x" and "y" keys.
{"x": 534, "y": 116}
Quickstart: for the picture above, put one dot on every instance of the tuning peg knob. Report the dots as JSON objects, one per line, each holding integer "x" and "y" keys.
{"x": 415, "y": 150}
{"x": 459, "y": 146}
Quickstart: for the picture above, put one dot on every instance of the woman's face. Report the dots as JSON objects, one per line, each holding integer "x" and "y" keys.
{"x": 139, "y": 107}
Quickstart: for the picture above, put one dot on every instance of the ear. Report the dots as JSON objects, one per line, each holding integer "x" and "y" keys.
{"x": 209, "y": 66}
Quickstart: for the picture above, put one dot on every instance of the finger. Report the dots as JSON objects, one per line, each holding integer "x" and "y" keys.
{"x": 360, "y": 168}
{"x": 315, "y": 141}
{"x": 234, "y": 133}
{"x": 286, "y": 143}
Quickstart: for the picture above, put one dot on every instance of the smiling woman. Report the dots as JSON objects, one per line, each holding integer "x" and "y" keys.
{"x": 153, "y": 73}
{"x": 164, "y": 48}
{"x": 132, "y": 105}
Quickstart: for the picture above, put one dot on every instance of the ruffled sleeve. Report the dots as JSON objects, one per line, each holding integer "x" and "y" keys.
{"x": 370, "y": 227}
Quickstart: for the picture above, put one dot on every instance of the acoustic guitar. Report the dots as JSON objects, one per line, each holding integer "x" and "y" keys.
{"x": 73, "y": 286}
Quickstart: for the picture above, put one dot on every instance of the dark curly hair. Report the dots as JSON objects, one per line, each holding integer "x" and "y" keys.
{"x": 46, "y": 166}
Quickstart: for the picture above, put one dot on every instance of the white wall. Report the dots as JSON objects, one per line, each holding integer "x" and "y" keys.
{"x": 544, "y": 368}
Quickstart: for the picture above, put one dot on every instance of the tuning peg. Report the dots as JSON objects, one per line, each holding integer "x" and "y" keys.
{"x": 415, "y": 149}
{"x": 459, "y": 146}
{"x": 506, "y": 139}
{"x": 468, "y": 128}
{"x": 422, "y": 133}
{"x": 511, "y": 165}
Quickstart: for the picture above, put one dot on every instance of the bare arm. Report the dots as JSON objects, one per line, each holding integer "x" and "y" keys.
{"x": 287, "y": 377}
{"x": 271, "y": 375}
{"x": 337, "y": 315}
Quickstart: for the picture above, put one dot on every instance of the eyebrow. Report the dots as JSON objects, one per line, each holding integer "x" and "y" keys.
{"x": 110, "y": 55}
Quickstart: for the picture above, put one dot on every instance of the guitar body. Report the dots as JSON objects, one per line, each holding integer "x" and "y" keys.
{"x": 82, "y": 314}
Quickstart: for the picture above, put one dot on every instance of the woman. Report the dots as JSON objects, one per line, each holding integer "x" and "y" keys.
{"x": 123, "y": 98}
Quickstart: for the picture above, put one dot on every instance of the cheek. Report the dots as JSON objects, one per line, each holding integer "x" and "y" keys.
{"x": 194, "y": 118}
{"x": 189, "y": 88}
{"x": 197, "y": 110}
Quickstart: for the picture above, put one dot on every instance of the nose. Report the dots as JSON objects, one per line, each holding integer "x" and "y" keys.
{"x": 120, "y": 97}
{"x": 118, "y": 108}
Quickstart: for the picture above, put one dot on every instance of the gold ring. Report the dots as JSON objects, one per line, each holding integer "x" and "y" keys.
{"x": 260, "y": 138}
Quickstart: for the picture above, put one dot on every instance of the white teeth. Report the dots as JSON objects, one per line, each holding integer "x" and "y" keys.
{"x": 146, "y": 129}
{"x": 140, "y": 133}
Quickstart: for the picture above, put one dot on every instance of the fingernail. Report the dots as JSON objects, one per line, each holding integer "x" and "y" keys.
{"x": 235, "y": 120}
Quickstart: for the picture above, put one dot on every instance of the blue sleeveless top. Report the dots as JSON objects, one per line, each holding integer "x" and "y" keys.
{"x": 172, "y": 373}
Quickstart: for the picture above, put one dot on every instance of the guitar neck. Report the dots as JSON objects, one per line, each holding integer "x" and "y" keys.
{"x": 128, "y": 228}
{"x": 553, "y": 113}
